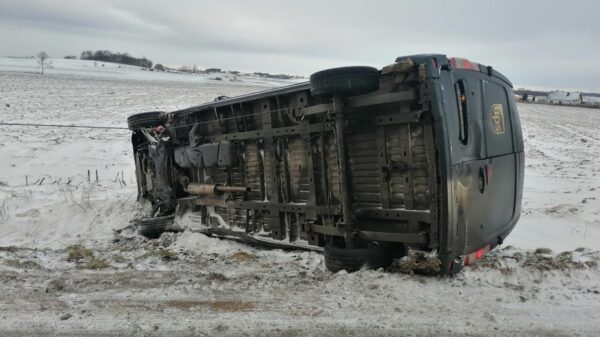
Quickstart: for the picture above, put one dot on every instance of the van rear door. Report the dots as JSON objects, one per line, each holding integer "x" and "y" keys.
{"x": 484, "y": 161}
{"x": 501, "y": 170}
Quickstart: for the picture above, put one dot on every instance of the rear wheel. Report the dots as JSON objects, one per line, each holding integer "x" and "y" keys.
{"x": 344, "y": 81}
{"x": 372, "y": 257}
{"x": 146, "y": 120}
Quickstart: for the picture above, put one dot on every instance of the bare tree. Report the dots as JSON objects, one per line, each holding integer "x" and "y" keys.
{"x": 43, "y": 60}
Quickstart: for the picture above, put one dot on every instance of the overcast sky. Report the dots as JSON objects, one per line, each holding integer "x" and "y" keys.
{"x": 534, "y": 43}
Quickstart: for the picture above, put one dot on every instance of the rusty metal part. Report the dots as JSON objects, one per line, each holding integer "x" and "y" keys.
{"x": 348, "y": 214}
{"x": 232, "y": 189}
{"x": 214, "y": 189}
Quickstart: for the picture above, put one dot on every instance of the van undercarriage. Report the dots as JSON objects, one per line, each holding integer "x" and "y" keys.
{"x": 349, "y": 161}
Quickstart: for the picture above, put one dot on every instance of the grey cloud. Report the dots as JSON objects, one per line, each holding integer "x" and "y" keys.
{"x": 525, "y": 39}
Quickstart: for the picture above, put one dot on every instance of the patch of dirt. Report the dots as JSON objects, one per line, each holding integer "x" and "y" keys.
{"x": 541, "y": 259}
{"x": 562, "y": 261}
{"x": 562, "y": 210}
{"x": 242, "y": 257}
{"x": 417, "y": 262}
{"x": 224, "y": 306}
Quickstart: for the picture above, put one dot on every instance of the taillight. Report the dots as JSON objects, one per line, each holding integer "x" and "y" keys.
{"x": 476, "y": 256}
{"x": 462, "y": 63}
{"x": 479, "y": 254}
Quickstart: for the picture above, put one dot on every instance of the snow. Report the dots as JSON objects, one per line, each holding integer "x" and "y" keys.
{"x": 196, "y": 285}
{"x": 108, "y": 70}
{"x": 561, "y": 198}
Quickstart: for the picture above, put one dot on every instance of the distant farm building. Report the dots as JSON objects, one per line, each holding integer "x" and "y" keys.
{"x": 565, "y": 98}
{"x": 529, "y": 97}
{"x": 591, "y": 100}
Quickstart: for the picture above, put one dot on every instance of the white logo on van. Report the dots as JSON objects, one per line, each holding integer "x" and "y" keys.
{"x": 497, "y": 118}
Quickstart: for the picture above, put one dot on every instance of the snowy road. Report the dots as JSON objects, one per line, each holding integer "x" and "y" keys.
{"x": 189, "y": 285}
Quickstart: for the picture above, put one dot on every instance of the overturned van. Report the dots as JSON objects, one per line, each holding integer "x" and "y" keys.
{"x": 424, "y": 154}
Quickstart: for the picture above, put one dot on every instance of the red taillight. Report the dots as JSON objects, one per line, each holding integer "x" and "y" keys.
{"x": 479, "y": 254}
{"x": 462, "y": 63}
{"x": 467, "y": 64}
{"x": 476, "y": 256}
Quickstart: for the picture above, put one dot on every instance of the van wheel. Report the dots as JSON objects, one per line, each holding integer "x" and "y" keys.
{"x": 152, "y": 228}
{"x": 344, "y": 81}
{"x": 351, "y": 260}
{"x": 146, "y": 120}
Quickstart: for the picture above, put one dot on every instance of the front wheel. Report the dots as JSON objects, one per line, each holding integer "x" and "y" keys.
{"x": 146, "y": 120}
{"x": 152, "y": 228}
{"x": 372, "y": 257}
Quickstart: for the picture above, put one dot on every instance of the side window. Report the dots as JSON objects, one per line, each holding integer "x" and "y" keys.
{"x": 463, "y": 111}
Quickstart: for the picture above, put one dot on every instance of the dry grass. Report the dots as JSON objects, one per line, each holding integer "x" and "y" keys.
{"x": 31, "y": 229}
{"x": 27, "y": 264}
{"x": 78, "y": 252}
{"x": 95, "y": 263}
{"x": 242, "y": 257}
{"x": 118, "y": 258}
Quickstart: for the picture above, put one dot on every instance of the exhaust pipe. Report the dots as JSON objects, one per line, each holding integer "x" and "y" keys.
{"x": 214, "y": 189}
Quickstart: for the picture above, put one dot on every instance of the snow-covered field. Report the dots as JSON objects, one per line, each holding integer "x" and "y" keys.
{"x": 108, "y": 70}
{"x": 188, "y": 284}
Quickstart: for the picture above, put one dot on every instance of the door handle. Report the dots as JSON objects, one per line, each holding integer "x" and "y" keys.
{"x": 482, "y": 179}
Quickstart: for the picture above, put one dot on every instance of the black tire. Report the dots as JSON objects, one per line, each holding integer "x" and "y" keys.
{"x": 351, "y": 260}
{"x": 152, "y": 228}
{"x": 146, "y": 120}
{"x": 344, "y": 81}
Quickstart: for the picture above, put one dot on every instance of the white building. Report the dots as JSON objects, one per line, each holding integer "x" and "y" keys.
{"x": 565, "y": 98}
{"x": 591, "y": 100}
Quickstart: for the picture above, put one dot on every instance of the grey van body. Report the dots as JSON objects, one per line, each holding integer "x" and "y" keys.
{"x": 424, "y": 154}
